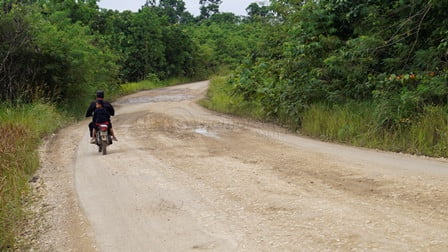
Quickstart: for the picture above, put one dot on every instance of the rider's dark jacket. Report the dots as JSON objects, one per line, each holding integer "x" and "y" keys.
{"x": 106, "y": 105}
{"x": 101, "y": 115}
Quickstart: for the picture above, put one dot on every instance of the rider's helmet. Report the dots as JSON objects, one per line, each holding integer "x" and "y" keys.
{"x": 100, "y": 94}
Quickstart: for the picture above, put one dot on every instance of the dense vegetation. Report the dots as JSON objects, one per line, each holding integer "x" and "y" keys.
{"x": 394, "y": 53}
{"x": 57, "y": 50}
{"x": 366, "y": 72}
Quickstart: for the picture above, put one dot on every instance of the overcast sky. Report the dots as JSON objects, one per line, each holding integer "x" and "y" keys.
{"x": 236, "y": 6}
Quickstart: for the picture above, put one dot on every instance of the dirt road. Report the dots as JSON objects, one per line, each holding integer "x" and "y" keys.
{"x": 182, "y": 178}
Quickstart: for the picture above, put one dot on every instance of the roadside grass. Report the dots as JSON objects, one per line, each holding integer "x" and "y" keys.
{"x": 430, "y": 133}
{"x": 351, "y": 123}
{"x": 133, "y": 87}
{"x": 22, "y": 128}
{"x": 355, "y": 124}
{"x": 220, "y": 99}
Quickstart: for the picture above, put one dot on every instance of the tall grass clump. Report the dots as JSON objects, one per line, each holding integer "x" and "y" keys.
{"x": 21, "y": 129}
{"x": 220, "y": 97}
{"x": 132, "y": 87}
{"x": 348, "y": 123}
{"x": 356, "y": 124}
{"x": 429, "y": 134}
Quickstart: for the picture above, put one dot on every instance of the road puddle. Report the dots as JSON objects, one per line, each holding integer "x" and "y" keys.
{"x": 205, "y": 132}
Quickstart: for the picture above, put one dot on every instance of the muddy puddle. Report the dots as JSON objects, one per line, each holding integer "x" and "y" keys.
{"x": 205, "y": 132}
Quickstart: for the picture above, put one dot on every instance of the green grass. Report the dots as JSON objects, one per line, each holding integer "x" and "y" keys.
{"x": 430, "y": 133}
{"x": 355, "y": 124}
{"x": 21, "y": 129}
{"x": 219, "y": 98}
{"x": 132, "y": 87}
{"x": 351, "y": 123}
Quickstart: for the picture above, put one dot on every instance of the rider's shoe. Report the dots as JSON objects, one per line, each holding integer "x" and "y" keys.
{"x": 114, "y": 138}
{"x": 92, "y": 140}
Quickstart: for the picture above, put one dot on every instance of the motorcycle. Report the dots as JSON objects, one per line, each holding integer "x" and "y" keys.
{"x": 102, "y": 137}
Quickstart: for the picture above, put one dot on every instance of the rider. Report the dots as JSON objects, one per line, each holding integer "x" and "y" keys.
{"x": 101, "y": 115}
{"x": 92, "y": 107}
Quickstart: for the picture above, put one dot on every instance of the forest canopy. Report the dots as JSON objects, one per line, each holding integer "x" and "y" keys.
{"x": 54, "y": 50}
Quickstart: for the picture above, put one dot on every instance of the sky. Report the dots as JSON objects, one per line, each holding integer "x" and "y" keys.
{"x": 236, "y": 6}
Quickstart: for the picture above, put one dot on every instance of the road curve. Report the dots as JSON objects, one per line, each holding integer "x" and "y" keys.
{"x": 182, "y": 178}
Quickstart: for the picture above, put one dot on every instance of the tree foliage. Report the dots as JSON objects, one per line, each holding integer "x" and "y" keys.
{"x": 255, "y": 11}
{"x": 225, "y": 40}
{"x": 391, "y": 52}
{"x": 209, "y": 8}
{"x": 59, "y": 49}
{"x": 49, "y": 56}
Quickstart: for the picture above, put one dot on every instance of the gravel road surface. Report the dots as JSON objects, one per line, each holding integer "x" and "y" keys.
{"x": 183, "y": 178}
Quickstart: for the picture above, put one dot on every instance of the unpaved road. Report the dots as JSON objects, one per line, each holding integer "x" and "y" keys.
{"x": 182, "y": 178}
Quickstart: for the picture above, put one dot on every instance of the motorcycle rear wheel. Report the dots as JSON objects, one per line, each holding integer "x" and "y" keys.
{"x": 103, "y": 147}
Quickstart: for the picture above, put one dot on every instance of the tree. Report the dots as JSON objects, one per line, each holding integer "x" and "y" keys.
{"x": 145, "y": 50}
{"x": 209, "y": 8}
{"x": 150, "y": 3}
{"x": 225, "y": 18}
{"x": 254, "y": 10}
{"x": 173, "y": 9}
{"x": 83, "y": 11}
{"x": 46, "y": 56}
{"x": 180, "y": 53}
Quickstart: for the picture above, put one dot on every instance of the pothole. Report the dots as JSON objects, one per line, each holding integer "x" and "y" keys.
{"x": 205, "y": 132}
